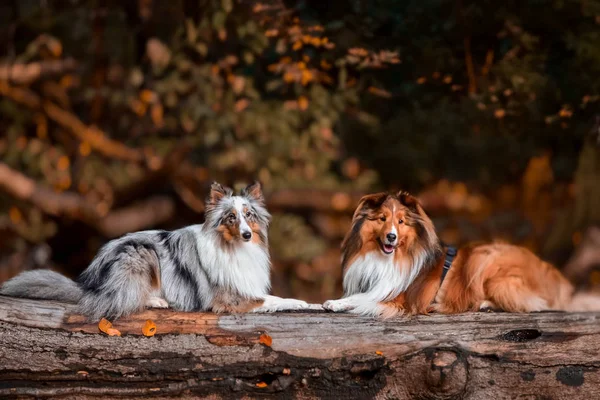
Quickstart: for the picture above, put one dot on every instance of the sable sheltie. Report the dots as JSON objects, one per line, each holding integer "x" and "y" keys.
{"x": 222, "y": 265}
{"x": 393, "y": 263}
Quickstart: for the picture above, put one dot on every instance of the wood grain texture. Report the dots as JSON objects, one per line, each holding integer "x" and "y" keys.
{"x": 46, "y": 350}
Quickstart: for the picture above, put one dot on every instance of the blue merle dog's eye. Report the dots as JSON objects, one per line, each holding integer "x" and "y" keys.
{"x": 231, "y": 216}
{"x": 248, "y": 214}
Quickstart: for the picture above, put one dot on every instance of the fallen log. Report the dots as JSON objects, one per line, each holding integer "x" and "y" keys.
{"x": 46, "y": 350}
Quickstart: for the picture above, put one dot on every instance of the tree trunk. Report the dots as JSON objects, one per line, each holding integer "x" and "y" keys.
{"x": 46, "y": 350}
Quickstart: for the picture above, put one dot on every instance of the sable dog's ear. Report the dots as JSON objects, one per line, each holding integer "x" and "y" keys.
{"x": 369, "y": 202}
{"x": 254, "y": 192}
{"x": 409, "y": 201}
{"x": 217, "y": 193}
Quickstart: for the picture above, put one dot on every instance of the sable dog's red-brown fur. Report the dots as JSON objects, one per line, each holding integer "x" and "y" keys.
{"x": 392, "y": 262}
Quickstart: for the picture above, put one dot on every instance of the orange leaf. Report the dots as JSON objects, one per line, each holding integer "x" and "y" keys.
{"x": 113, "y": 332}
{"x": 379, "y": 353}
{"x": 288, "y": 77}
{"x": 297, "y": 45}
{"x": 241, "y": 105}
{"x": 265, "y": 339}
{"x": 303, "y": 103}
{"x": 63, "y": 163}
{"x": 307, "y": 76}
{"x": 15, "y": 215}
{"x": 156, "y": 113}
{"x": 357, "y": 51}
{"x": 138, "y": 107}
{"x": 565, "y": 113}
{"x": 66, "y": 81}
{"x": 325, "y": 65}
{"x": 55, "y": 47}
{"x": 149, "y": 328}
{"x": 261, "y": 385}
{"x": 148, "y": 96}
{"x": 379, "y": 92}
{"x": 104, "y": 325}
{"x": 290, "y": 105}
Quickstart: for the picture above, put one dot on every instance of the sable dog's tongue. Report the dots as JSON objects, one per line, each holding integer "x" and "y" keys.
{"x": 388, "y": 248}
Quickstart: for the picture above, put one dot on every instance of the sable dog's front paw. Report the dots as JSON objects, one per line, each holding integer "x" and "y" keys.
{"x": 340, "y": 305}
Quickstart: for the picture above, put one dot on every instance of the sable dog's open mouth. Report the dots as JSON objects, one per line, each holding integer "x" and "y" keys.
{"x": 386, "y": 248}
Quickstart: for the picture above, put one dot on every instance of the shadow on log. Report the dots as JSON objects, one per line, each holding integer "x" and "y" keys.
{"x": 46, "y": 350}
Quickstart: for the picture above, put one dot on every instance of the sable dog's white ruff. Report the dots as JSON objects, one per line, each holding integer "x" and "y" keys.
{"x": 383, "y": 278}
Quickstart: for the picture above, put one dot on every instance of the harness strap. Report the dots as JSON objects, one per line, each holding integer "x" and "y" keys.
{"x": 450, "y": 255}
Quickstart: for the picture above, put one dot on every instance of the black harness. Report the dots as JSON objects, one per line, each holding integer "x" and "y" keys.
{"x": 450, "y": 255}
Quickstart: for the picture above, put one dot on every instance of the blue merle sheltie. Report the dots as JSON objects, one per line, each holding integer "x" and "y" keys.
{"x": 222, "y": 265}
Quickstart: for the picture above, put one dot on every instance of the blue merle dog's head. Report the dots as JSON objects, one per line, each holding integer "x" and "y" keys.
{"x": 240, "y": 218}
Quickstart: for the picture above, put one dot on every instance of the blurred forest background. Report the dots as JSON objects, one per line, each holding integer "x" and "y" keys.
{"x": 115, "y": 116}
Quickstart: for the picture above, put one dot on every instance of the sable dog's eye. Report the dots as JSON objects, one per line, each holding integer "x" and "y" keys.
{"x": 401, "y": 221}
{"x": 382, "y": 218}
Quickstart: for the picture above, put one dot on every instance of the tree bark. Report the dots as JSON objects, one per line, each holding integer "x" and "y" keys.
{"x": 46, "y": 350}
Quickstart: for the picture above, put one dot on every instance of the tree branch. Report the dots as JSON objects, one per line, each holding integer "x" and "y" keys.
{"x": 24, "y": 74}
{"x": 470, "y": 67}
{"x": 150, "y": 212}
{"x": 96, "y": 138}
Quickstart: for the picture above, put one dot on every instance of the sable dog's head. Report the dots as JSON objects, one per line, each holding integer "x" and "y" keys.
{"x": 393, "y": 225}
{"x": 238, "y": 218}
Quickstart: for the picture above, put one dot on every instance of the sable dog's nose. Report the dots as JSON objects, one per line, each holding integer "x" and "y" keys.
{"x": 391, "y": 237}
{"x": 247, "y": 235}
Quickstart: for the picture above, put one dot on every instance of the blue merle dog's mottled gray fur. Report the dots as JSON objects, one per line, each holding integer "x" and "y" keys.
{"x": 196, "y": 268}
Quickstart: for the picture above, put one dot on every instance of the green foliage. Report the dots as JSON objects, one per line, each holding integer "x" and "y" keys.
{"x": 293, "y": 239}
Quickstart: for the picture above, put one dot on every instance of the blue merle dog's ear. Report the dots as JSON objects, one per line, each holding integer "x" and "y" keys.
{"x": 217, "y": 193}
{"x": 254, "y": 192}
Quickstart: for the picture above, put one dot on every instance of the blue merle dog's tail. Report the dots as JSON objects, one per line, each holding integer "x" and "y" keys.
{"x": 42, "y": 284}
